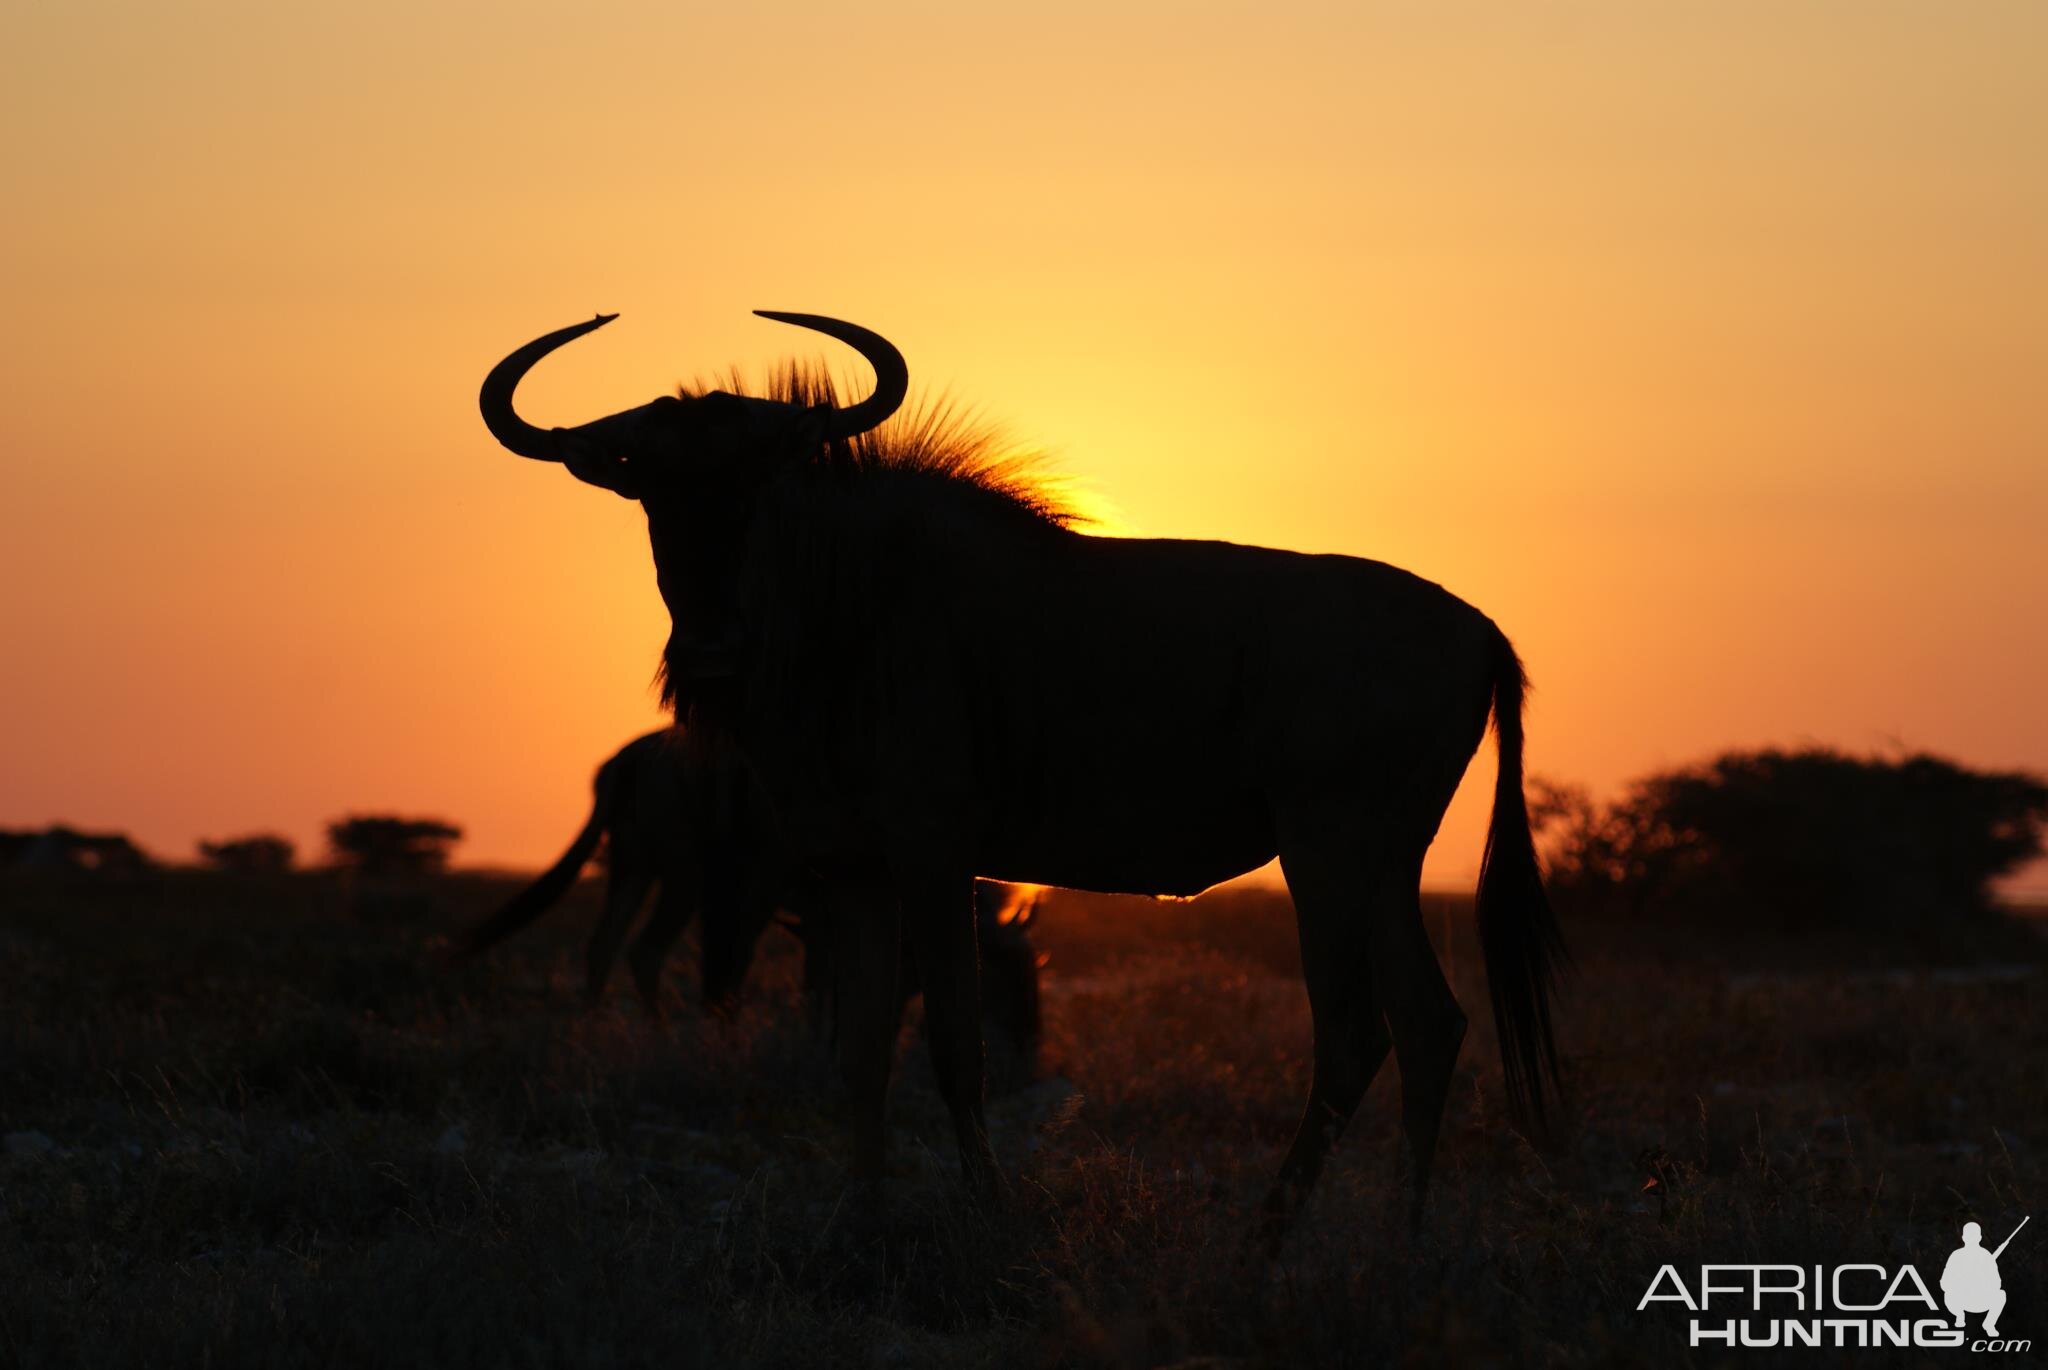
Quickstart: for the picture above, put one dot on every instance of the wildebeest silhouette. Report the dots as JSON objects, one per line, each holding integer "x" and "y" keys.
{"x": 687, "y": 823}
{"x": 677, "y": 817}
{"x": 1177, "y": 714}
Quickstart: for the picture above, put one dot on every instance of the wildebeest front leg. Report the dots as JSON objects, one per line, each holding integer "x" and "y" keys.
{"x": 866, "y": 936}
{"x": 739, "y": 904}
{"x": 941, "y": 924}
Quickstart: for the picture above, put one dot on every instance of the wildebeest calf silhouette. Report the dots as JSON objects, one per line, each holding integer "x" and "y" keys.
{"x": 686, "y": 823}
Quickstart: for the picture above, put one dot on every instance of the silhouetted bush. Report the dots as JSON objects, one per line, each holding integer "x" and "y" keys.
{"x": 383, "y": 845}
{"x": 257, "y": 854}
{"x": 66, "y": 849}
{"x": 1794, "y": 838}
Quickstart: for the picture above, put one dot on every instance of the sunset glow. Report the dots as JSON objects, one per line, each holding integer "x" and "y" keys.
{"x": 1702, "y": 347}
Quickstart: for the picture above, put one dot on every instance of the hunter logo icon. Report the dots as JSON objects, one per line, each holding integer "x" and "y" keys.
{"x": 1969, "y": 1282}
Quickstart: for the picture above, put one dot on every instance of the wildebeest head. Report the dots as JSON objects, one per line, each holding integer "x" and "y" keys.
{"x": 692, "y": 445}
{"x": 705, "y": 465}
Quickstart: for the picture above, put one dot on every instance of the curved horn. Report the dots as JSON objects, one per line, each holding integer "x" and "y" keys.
{"x": 495, "y": 399}
{"x": 892, "y": 375}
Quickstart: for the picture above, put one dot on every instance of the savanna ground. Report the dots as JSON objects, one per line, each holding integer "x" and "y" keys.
{"x": 245, "y": 1124}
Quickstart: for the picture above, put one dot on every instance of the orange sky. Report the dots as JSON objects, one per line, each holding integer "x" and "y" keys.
{"x": 1702, "y": 346}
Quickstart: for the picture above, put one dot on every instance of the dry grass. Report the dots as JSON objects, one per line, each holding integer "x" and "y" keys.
{"x": 247, "y": 1127}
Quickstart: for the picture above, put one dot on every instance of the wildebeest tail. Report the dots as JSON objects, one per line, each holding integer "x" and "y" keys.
{"x": 547, "y": 890}
{"x": 1517, "y": 929}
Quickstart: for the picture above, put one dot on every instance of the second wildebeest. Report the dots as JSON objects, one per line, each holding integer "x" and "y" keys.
{"x": 678, "y": 818}
{"x": 1180, "y": 713}
{"x": 682, "y": 819}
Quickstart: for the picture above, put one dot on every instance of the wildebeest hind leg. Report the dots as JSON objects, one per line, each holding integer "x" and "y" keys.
{"x": 625, "y": 891}
{"x": 941, "y": 922}
{"x": 1351, "y": 1040}
{"x": 673, "y": 909}
{"x": 1428, "y": 1025}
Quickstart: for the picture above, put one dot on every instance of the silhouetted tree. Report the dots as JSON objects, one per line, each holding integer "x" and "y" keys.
{"x": 384, "y": 845}
{"x": 256, "y": 854}
{"x": 63, "y": 848}
{"x": 1795, "y": 838}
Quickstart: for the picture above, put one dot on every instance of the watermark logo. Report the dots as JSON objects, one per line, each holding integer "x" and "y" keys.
{"x": 1847, "y": 1306}
{"x": 1969, "y": 1282}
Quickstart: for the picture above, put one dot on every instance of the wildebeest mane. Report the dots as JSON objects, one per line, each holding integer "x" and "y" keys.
{"x": 933, "y": 437}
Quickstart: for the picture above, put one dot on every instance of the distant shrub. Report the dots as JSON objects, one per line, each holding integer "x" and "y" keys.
{"x": 1794, "y": 838}
{"x": 63, "y": 848}
{"x": 383, "y": 845}
{"x": 257, "y": 854}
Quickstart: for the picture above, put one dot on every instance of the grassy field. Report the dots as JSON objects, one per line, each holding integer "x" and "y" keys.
{"x": 245, "y": 1125}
